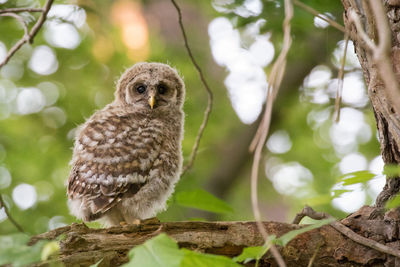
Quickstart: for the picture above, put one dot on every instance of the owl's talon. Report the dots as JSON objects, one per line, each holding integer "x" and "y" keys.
{"x": 136, "y": 222}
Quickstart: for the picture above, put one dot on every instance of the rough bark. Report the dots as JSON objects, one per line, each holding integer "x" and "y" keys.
{"x": 83, "y": 246}
{"x": 388, "y": 122}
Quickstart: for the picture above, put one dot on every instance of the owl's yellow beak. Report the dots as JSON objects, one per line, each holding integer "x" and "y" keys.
{"x": 152, "y": 101}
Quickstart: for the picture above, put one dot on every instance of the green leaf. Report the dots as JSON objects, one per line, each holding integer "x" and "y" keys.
{"x": 286, "y": 238}
{"x": 14, "y": 249}
{"x": 356, "y": 177}
{"x": 96, "y": 264}
{"x": 158, "y": 251}
{"x": 254, "y": 253}
{"x": 318, "y": 200}
{"x": 195, "y": 259}
{"x": 393, "y": 203}
{"x": 339, "y": 192}
{"x": 202, "y": 200}
{"x": 163, "y": 251}
{"x": 391, "y": 170}
{"x": 50, "y": 249}
{"x": 250, "y": 253}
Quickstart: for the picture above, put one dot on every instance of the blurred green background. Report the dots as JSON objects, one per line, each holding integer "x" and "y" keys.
{"x": 50, "y": 87}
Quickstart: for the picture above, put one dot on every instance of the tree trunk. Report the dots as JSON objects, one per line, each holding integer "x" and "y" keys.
{"x": 388, "y": 122}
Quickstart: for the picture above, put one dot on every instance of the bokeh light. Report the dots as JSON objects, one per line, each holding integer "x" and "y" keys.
{"x": 290, "y": 178}
{"x": 30, "y": 100}
{"x": 43, "y": 60}
{"x": 5, "y": 178}
{"x": 279, "y": 142}
{"x": 246, "y": 81}
{"x": 134, "y": 31}
{"x": 24, "y": 195}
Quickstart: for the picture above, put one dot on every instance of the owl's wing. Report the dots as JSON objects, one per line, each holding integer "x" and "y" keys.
{"x": 112, "y": 158}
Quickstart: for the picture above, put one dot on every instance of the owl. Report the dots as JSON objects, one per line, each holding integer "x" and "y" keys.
{"x": 127, "y": 157}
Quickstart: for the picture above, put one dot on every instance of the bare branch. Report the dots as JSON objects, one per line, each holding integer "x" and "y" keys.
{"x": 17, "y": 10}
{"x": 309, "y": 212}
{"x": 28, "y": 37}
{"x": 14, "y": 222}
{"x": 318, "y": 14}
{"x": 340, "y": 80}
{"x": 40, "y": 21}
{"x": 209, "y": 94}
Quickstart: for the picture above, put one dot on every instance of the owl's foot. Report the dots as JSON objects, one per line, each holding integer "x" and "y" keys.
{"x": 150, "y": 221}
{"x": 136, "y": 222}
{"x": 153, "y": 220}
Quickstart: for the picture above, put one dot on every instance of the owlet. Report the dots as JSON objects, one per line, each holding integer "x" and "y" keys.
{"x": 127, "y": 157}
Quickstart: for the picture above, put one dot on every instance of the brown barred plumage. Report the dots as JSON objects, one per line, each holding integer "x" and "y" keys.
{"x": 127, "y": 156}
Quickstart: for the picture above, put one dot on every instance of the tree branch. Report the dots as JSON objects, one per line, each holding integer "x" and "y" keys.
{"x": 17, "y": 10}
{"x": 318, "y": 14}
{"x": 14, "y": 222}
{"x": 339, "y": 90}
{"x": 325, "y": 246}
{"x": 208, "y": 90}
{"x": 309, "y": 212}
{"x": 17, "y": 17}
{"x": 28, "y": 37}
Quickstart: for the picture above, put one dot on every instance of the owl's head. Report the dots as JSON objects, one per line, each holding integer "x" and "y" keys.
{"x": 151, "y": 86}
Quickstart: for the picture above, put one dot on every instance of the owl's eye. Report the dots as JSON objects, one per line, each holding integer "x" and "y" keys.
{"x": 141, "y": 89}
{"x": 161, "y": 89}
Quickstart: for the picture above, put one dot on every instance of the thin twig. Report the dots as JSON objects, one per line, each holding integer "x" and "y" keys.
{"x": 309, "y": 212}
{"x": 209, "y": 94}
{"x": 23, "y": 9}
{"x": 31, "y": 35}
{"x": 257, "y": 145}
{"x": 19, "y": 18}
{"x": 310, "y": 263}
{"x": 4, "y": 206}
{"x": 340, "y": 79}
{"x": 318, "y": 14}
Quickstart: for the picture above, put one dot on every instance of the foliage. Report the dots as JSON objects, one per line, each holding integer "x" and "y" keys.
{"x": 163, "y": 251}
{"x": 14, "y": 249}
{"x": 256, "y": 253}
{"x": 202, "y": 200}
{"x": 356, "y": 177}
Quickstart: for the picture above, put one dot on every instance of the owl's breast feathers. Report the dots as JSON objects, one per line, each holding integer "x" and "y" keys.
{"x": 115, "y": 156}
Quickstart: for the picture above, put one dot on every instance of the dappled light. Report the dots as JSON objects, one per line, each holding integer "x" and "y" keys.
{"x": 24, "y": 195}
{"x": 43, "y": 60}
{"x": 246, "y": 81}
{"x": 266, "y": 82}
